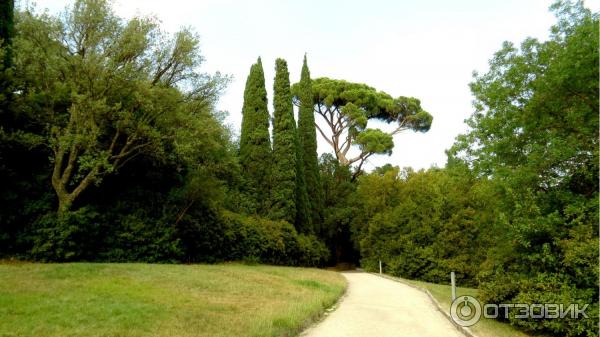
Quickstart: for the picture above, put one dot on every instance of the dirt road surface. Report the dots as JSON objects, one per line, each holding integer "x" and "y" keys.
{"x": 377, "y": 307}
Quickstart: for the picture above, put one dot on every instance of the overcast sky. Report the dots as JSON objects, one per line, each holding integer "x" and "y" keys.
{"x": 426, "y": 49}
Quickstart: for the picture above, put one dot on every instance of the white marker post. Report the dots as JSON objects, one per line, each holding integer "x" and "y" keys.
{"x": 453, "y": 282}
{"x": 380, "y": 270}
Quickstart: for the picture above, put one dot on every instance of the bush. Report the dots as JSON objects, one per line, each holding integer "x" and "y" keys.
{"x": 141, "y": 238}
{"x": 544, "y": 288}
{"x": 205, "y": 235}
{"x": 257, "y": 239}
{"x": 202, "y": 236}
{"x": 312, "y": 252}
{"x": 72, "y": 236}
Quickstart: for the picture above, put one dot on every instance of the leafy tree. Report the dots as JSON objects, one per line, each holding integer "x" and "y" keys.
{"x": 255, "y": 142}
{"x": 285, "y": 147}
{"x": 22, "y": 185}
{"x": 6, "y": 36}
{"x": 338, "y": 189}
{"x": 535, "y": 131}
{"x": 108, "y": 88}
{"x": 347, "y": 107}
{"x": 7, "y": 30}
{"x": 424, "y": 224}
{"x": 146, "y": 167}
{"x": 308, "y": 147}
{"x": 161, "y": 185}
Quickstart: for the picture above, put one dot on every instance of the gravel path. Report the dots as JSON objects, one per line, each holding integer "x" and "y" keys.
{"x": 377, "y": 307}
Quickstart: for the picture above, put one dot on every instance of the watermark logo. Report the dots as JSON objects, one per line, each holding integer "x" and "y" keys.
{"x": 467, "y": 310}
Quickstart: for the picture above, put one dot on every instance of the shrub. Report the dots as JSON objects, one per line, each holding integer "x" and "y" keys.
{"x": 70, "y": 236}
{"x": 141, "y": 238}
{"x": 258, "y": 239}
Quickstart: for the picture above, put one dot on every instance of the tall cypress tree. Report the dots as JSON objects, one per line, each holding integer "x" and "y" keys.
{"x": 303, "y": 220}
{"x": 285, "y": 146}
{"x": 9, "y": 179}
{"x": 255, "y": 142}
{"x": 307, "y": 135}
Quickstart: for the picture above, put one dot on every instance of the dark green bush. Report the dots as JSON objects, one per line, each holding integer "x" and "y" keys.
{"x": 312, "y": 252}
{"x": 544, "y": 288}
{"x": 201, "y": 235}
{"x": 204, "y": 235}
{"x": 70, "y": 236}
{"x": 139, "y": 238}
{"x": 275, "y": 242}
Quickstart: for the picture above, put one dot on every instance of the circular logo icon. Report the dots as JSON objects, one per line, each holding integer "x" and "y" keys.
{"x": 465, "y": 310}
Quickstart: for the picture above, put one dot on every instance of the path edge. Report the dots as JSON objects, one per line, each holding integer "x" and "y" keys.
{"x": 466, "y": 331}
{"x": 311, "y": 322}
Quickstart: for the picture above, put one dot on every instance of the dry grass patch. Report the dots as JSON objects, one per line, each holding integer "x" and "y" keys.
{"x": 84, "y": 299}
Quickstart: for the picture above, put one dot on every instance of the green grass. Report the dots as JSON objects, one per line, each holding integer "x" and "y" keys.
{"x": 485, "y": 327}
{"x": 85, "y": 299}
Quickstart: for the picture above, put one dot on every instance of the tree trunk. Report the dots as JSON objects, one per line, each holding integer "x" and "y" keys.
{"x": 64, "y": 202}
{"x": 61, "y": 177}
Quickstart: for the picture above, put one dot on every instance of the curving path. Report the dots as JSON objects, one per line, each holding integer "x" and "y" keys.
{"x": 377, "y": 307}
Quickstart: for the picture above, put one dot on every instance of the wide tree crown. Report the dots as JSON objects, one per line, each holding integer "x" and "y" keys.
{"x": 371, "y": 103}
{"x": 346, "y": 108}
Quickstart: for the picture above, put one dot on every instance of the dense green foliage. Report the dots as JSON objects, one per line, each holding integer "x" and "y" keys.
{"x": 423, "y": 225}
{"x": 235, "y": 237}
{"x": 137, "y": 166}
{"x": 6, "y": 36}
{"x": 255, "y": 142}
{"x": 111, "y": 150}
{"x": 303, "y": 219}
{"x": 307, "y": 135}
{"x": 536, "y": 132}
{"x": 285, "y": 143}
{"x": 7, "y": 27}
{"x": 134, "y": 106}
{"x": 127, "y": 158}
{"x": 338, "y": 189}
{"x": 133, "y": 116}
{"x": 515, "y": 211}
{"x": 266, "y": 241}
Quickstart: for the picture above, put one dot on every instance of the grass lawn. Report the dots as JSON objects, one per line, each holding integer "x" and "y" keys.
{"x": 485, "y": 327}
{"x": 88, "y": 299}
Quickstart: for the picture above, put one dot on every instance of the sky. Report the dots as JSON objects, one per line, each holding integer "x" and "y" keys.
{"x": 426, "y": 49}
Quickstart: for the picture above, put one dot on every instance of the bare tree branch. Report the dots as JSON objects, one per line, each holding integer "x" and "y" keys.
{"x": 323, "y": 134}
{"x": 358, "y": 170}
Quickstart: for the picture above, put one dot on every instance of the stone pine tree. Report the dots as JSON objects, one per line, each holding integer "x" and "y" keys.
{"x": 255, "y": 142}
{"x": 307, "y": 135}
{"x": 346, "y": 108}
{"x": 285, "y": 149}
